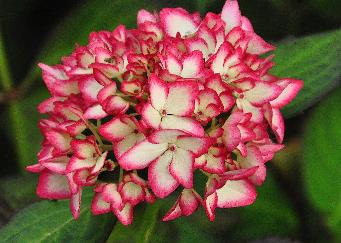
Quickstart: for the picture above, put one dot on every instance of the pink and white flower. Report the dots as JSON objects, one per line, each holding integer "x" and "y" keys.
{"x": 121, "y": 198}
{"x": 171, "y": 106}
{"x": 185, "y": 205}
{"x": 177, "y": 94}
{"x": 124, "y": 132}
{"x": 170, "y": 156}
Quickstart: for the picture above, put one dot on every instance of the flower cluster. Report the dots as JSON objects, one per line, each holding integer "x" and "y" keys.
{"x": 139, "y": 113}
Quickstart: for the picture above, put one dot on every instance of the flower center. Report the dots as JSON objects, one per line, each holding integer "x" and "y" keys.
{"x": 172, "y": 147}
{"x": 109, "y": 60}
{"x": 163, "y": 113}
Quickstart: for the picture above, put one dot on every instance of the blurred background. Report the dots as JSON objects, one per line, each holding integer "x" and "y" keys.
{"x": 301, "y": 198}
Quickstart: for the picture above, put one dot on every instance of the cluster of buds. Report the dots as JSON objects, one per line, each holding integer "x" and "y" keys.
{"x": 138, "y": 113}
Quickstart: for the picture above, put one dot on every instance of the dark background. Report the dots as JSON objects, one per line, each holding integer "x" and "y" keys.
{"x": 25, "y": 26}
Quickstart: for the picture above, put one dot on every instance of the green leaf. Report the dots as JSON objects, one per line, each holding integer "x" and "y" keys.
{"x": 316, "y": 60}
{"x": 334, "y": 221}
{"x": 327, "y": 8}
{"x": 201, "y": 6}
{"x": 270, "y": 215}
{"x": 18, "y": 191}
{"x": 86, "y": 18}
{"x": 321, "y": 157}
{"x": 143, "y": 229}
{"x": 16, "y": 119}
{"x": 23, "y": 120}
{"x": 51, "y": 221}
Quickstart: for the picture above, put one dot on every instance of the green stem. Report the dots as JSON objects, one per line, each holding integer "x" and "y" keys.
{"x": 121, "y": 175}
{"x": 14, "y": 112}
{"x": 106, "y": 147}
{"x": 93, "y": 129}
{"x": 5, "y": 76}
{"x": 205, "y": 173}
{"x": 98, "y": 123}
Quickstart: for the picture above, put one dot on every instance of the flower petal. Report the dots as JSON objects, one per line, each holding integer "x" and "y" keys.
{"x": 95, "y": 112}
{"x": 231, "y": 14}
{"x": 262, "y": 92}
{"x": 258, "y": 46}
{"x": 172, "y": 64}
{"x": 165, "y": 136}
{"x": 196, "y": 145}
{"x": 182, "y": 166}
{"x": 210, "y": 205}
{"x": 83, "y": 148}
{"x": 236, "y": 194}
{"x": 145, "y": 16}
{"x": 59, "y": 140}
{"x": 116, "y": 129}
{"x": 177, "y": 20}
{"x": 151, "y": 116}
{"x": 173, "y": 213}
{"x": 53, "y": 186}
{"x": 188, "y": 202}
{"x": 125, "y": 216}
{"x": 127, "y": 143}
{"x": 161, "y": 181}
{"x": 76, "y": 163}
{"x": 254, "y": 158}
{"x": 75, "y": 204}
{"x": 185, "y": 124}
{"x": 239, "y": 174}
{"x": 99, "y": 206}
{"x": 180, "y": 99}
{"x": 141, "y": 155}
{"x": 290, "y": 89}
{"x": 192, "y": 65}
{"x": 132, "y": 193}
{"x": 89, "y": 88}
{"x": 158, "y": 92}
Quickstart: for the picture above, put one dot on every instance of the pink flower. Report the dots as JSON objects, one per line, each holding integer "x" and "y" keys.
{"x": 185, "y": 205}
{"x": 170, "y": 156}
{"x": 87, "y": 156}
{"x": 121, "y": 198}
{"x": 147, "y": 108}
{"x": 124, "y": 132}
{"x": 171, "y": 105}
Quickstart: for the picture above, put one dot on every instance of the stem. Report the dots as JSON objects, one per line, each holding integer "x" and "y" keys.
{"x": 99, "y": 123}
{"x": 214, "y": 122}
{"x": 14, "y": 112}
{"x": 119, "y": 78}
{"x": 121, "y": 175}
{"x": 134, "y": 114}
{"x": 306, "y": 213}
{"x": 213, "y": 126}
{"x": 93, "y": 129}
{"x": 205, "y": 173}
{"x": 106, "y": 147}
{"x": 5, "y": 77}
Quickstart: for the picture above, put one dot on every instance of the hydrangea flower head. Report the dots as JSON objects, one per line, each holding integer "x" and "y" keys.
{"x": 137, "y": 113}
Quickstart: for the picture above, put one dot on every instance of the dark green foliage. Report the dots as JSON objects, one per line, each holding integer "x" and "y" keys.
{"x": 51, "y": 221}
{"x": 321, "y": 158}
{"x": 316, "y": 60}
